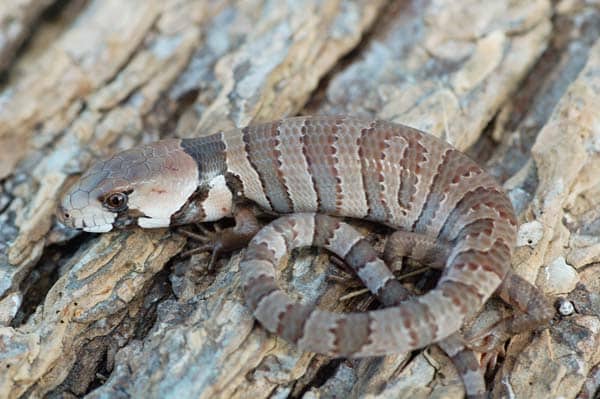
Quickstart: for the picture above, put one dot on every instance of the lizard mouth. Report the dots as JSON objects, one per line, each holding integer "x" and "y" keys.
{"x": 127, "y": 218}
{"x": 91, "y": 222}
{"x": 103, "y": 228}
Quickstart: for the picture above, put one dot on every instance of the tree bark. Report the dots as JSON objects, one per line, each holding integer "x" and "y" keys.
{"x": 516, "y": 83}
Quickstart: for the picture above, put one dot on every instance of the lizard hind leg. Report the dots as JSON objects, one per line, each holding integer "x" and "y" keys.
{"x": 419, "y": 248}
{"x": 531, "y": 311}
{"x": 433, "y": 253}
{"x": 345, "y": 335}
{"x": 360, "y": 258}
{"x": 373, "y": 333}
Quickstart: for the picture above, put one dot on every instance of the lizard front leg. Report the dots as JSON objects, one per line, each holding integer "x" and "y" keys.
{"x": 228, "y": 239}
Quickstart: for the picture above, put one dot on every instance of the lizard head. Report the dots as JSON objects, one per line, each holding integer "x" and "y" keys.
{"x": 145, "y": 185}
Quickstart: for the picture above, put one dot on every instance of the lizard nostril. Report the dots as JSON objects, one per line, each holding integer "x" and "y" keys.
{"x": 63, "y": 215}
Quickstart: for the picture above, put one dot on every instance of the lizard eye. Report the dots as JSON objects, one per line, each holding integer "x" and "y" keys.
{"x": 116, "y": 202}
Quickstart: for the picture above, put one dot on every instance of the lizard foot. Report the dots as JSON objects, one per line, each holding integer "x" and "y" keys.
{"x": 223, "y": 240}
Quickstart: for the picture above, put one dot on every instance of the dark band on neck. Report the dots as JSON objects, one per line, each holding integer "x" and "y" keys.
{"x": 209, "y": 154}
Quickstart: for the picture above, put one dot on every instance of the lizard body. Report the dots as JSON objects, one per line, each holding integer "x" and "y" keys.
{"x": 308, "y": 167}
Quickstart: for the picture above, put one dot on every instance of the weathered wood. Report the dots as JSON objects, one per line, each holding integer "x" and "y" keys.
{"x": 17, "y": 18}
{"x": 121, "y": 313}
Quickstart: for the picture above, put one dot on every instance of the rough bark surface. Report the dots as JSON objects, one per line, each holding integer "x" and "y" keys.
{"x": 121, "y": 315}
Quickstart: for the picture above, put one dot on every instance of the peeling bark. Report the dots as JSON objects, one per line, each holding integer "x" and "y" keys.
{"x": 17, "y": 18}
{"x": 121, "y": 314}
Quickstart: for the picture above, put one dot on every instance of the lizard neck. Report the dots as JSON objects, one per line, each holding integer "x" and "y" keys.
{"x": 213, "y": 199}
{"x": 209, "y": 154}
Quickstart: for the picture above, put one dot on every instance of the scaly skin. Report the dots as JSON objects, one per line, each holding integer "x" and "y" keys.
{"x": 315, "y": 166}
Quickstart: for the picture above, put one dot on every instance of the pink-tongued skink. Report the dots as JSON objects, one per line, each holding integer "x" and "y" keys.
{"x": 448, "y": 212}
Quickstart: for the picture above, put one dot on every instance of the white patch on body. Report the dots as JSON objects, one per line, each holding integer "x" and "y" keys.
{"x": 217, "y": 204}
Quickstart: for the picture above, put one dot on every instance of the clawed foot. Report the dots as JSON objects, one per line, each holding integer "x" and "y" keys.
{"x": 209, "y": 242}
{"x": 350, "y": 280}
{"x": 225, "y": 240}
{"x": 347, "y": 278}
{"x": 489, "y": 340}
{"x": 490, "y": 343}
{"x": 489, "y": 360}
